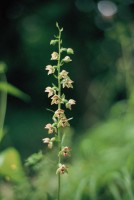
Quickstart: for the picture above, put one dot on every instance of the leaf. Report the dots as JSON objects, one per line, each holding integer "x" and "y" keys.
{"x": 34, "y": 158}
{"x": 3, "y": 67}
{"x": 2, "y": 133}
{"x": 49, "y": 197}
{"x": 3, "y": 105}
{"x": 50, "y": 110}
{"x": 4, "y": 86}
{"x": 63, "y": 96}
{"x": 11, "y": 166}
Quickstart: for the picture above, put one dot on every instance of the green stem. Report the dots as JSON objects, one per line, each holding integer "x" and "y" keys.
{"x": 59, "y": 107}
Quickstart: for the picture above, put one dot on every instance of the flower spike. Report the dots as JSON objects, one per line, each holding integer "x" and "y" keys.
{"x": 59, "y": 101}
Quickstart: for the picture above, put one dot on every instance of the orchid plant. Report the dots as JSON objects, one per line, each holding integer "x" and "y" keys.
{"x": 56, "y": 95}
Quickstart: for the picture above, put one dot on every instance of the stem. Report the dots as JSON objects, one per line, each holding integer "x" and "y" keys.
{"x": 59, "y": 107}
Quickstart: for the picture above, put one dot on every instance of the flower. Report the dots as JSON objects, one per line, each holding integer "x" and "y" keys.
{"x": 50, "y": 128}
{"x": 59, "y": 113}
{"x": 70, "y": 103}
{"x": 66, "y": 59}
{"x": 70, "y": 51}
{"x": 67, "y": 82}
{"x": 54, "y": 56}
{"x": 50, "y": 69}
{"x": 55, "y": 99}
{"x": 63, "y": 74}
{"x": 65, "y": 151}
{"x": 50, "y": 91}
{"x": 63, "y": 122}
{"x": 48, "y": 141}
{"x": 62, "y": 169}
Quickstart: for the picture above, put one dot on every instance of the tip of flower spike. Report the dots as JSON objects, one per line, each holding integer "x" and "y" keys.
{"x": 57, "y": 25}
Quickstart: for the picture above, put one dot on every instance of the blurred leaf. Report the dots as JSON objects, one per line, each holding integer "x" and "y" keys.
{"x": 115, "y": 192}
{"x": 4, "y": 86}
{"x": 81, "y": 187}
{"x": 3, "y": 105}
{"x": 34, "y": 158}
{"x": 1, "y": 134}
{"x": 3, "y": 67}
{"x": 49, "y": 197}
{"x": 10, "y": 165}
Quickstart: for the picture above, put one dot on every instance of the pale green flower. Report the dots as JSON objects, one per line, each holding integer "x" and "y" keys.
{"x": 70, "y": 103}
{"x": 50, "y": 91}
{"x": 67, "y": 82}
{"x": 50, "y": 69}
{"x": 54, "y": 56}
{"x": 63, "y": 74}
{"x": 48, "y": 141}
{"x": 62, "y": 169}
{"x": 63, "y": 122}
{"x": 55, "y": 99}
{"x": 50, "y": 128}
{"x": 67, "y": 59}
{"x": 65, "y": 151}
{"x": 59, "y": 113}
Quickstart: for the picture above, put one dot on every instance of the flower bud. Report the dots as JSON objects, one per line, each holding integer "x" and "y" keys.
{"x": 70, "y": 51}
{"x": 53, "y": 42}
{"x": 53, "y": 139}
{"x": 63, "y": 49}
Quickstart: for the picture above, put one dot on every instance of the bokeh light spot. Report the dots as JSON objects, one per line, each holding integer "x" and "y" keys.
{"x": 107, "y": 8}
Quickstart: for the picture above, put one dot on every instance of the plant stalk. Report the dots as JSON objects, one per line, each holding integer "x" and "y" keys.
{"x": 59, "y": 107}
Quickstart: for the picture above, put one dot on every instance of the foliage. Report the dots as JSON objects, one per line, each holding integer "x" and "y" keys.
{"x": 103, "y": 164}
{"x": 10, "y": 162}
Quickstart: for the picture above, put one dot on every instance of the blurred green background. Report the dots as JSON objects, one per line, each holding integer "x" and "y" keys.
{"x": 102, "y": 131}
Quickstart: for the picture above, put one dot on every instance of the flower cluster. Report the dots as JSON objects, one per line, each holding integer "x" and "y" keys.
{"x": 57, "y": 97}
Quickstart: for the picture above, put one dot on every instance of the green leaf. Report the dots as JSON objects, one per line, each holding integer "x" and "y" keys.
{"x": 63, "y": 96}
{"x": 11, "y": 166}
{"x": 34, "y": 158}
{"x": 2, "y": 133}
{"x": 4, "y": 86}
{"x": 50, "y": 110}
{"x": 3, "y": 67}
